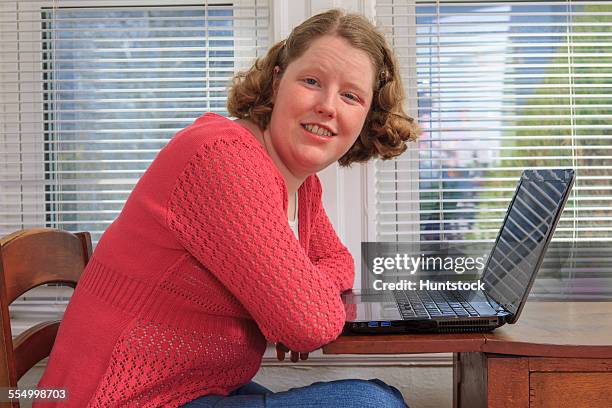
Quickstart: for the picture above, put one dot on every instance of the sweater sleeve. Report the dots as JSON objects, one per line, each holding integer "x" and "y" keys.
{"x": 227, "y": 210}
{"x": 326, "y": 250}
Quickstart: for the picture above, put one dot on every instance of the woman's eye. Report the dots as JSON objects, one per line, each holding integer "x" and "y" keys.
{"x": 352, "y": 97}
{"x": 310, "y": 81}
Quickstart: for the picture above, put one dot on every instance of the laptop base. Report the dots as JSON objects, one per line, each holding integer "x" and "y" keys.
{"x": 453, "y": 325}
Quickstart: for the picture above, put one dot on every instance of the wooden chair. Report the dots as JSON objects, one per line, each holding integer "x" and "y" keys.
{"x": 29, "y": 258}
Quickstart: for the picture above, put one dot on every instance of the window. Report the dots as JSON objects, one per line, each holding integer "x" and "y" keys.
{"x": 118, "y": 83}
{"x": 90, "y": 91}
{"x": 500, "y": 86}
{"x": 109, "y": 85}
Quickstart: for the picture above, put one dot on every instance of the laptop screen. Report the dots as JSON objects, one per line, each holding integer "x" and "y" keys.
{"x": 524, "y": 236}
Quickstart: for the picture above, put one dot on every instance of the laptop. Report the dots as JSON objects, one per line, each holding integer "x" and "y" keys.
{"x": 506, "y": 278}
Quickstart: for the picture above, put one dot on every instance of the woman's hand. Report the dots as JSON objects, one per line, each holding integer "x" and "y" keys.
{"x": 281, "y": 349}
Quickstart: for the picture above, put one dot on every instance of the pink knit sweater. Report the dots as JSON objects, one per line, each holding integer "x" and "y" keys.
{"x": 196, "y": 273}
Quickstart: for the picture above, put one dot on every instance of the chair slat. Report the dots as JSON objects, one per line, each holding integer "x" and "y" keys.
{"x": 33, "y": 345}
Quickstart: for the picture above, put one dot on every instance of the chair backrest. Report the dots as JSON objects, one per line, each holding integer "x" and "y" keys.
{"x": 30, "y": 258}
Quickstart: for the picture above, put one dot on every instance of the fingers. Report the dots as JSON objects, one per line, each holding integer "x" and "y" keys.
{"x": 282, "y": 350}
{"x": 295, "y": 356}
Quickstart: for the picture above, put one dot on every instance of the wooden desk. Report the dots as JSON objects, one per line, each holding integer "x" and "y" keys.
{"x": 558, "y": 355}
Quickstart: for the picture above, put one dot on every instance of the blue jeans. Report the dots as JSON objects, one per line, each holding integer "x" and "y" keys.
{"x": 342, "y": 393}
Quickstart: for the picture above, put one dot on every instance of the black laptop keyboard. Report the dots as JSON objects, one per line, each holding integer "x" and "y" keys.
{"x": 415, "y": 303}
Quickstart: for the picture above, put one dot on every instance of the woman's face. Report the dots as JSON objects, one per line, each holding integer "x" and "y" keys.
{"x": 320, "y": 105}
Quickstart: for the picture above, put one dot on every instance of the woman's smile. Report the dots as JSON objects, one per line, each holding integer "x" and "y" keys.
{"x": 318, "y": 133}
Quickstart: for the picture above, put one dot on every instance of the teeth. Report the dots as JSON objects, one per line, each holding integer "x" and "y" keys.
{"x": 317, "y": 130}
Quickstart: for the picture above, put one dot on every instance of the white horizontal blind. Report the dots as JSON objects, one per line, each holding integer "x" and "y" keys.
{"x": 91, "y": 90}
{"x": 500, "y": 86}
{"x": 89, "y": 93}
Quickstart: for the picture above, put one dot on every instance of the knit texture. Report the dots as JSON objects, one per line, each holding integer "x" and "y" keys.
{"x": 198, "y": 271}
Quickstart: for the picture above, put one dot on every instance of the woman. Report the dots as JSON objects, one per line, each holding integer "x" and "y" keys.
{"x": 202, "y": 268}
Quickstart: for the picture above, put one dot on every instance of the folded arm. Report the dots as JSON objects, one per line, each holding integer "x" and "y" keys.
{"x": 227, "y": 210}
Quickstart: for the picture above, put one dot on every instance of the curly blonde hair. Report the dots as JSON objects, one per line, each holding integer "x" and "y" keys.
{"x": 387, "y": 128}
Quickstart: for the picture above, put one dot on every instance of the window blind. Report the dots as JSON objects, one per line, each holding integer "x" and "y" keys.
{"x": 92, "y": 90}
{"x": 500, "y": 86}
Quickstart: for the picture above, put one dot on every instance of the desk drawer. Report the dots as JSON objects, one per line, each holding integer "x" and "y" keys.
{"x": 575, "y": 390}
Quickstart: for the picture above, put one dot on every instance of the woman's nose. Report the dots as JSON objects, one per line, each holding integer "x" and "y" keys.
{"x": 325, "y": 106}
